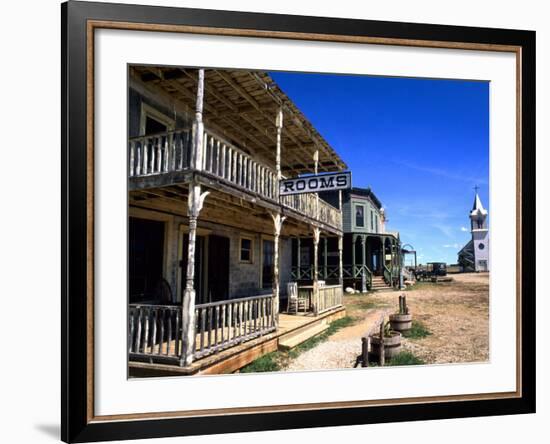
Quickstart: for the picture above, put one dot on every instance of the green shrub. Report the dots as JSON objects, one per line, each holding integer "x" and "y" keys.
{"x": 405, "y": 358}
{"x": 418, "y": 331}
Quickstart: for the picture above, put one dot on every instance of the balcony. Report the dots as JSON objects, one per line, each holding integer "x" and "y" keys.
{"x": 166, "y": 158}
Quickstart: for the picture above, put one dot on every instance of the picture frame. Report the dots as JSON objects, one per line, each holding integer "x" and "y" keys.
{"x": 80, "y": 20}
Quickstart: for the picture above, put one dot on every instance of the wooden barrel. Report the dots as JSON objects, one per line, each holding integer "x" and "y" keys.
{"x": 392, "y": 344}
{"x": 401, "y": 322}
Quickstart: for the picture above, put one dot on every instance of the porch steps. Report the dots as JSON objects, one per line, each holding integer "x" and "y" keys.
{"x": 292, "y": 340}
{"x": 378, "y": 284}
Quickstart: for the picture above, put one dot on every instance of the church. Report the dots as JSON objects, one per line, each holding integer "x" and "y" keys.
{"x": 474, "y": 256}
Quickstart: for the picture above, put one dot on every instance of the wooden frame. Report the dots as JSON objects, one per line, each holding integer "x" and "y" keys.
{"x": 79, "y": 423}
{"x": 251, "y": 239}
{"x": 149, "y": 111}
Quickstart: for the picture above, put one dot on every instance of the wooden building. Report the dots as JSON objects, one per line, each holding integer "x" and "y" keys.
{"x": 372, "y": 255}
{"x": 210, "y": 239}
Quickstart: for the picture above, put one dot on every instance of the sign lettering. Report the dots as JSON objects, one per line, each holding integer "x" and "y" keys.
{"x": 315, "y": 184}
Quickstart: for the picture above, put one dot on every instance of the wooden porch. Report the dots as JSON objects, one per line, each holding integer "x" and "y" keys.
{"x": 292, "y": 330}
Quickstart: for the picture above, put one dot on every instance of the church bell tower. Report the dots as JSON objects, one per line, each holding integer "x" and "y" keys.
{"x": 480, "y": 235}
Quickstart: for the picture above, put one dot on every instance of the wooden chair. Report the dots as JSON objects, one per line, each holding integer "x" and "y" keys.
{"x": 294, "y": 302}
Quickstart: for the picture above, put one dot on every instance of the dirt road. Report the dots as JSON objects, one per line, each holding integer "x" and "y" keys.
{"x": 455, "y": 313}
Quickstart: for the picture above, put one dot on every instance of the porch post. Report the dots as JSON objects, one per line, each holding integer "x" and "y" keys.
{"x": 198, "y": 125}
{"x": 316, "y": 235}
{"x": 364, "y": 258}
{"x": 299, "y": 258}
{"x": 279, "y": 124}
{"x": 195, "y": 201}
{"x": 340, "y": 260}
{"x": 278, "y": 224}
{"x": 325, "y": 259}
{"x": 353, "y": 240}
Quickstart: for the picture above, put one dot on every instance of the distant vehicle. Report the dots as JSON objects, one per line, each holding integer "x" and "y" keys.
{"x": 432, "y": 271}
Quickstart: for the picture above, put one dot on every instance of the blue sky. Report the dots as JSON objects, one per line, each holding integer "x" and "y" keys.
{"x": 421, "y": 144}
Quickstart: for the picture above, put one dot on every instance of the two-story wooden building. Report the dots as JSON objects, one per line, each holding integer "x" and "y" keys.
{"x": 372, "y": 255}
{"x": 210, "y": 251}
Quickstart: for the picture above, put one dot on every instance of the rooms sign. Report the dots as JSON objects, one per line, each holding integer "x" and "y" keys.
{"x": 315, "y": 184}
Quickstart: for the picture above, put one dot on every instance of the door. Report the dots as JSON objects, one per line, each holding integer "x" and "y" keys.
{"x": 268, "y": 252}
{"x": 218, "y": 268}
{"x": 145, "y": 258}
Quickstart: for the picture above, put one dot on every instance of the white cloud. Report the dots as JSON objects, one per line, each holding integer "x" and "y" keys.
{"x": 463, "y": 229}
{"x": 451, "y": 246}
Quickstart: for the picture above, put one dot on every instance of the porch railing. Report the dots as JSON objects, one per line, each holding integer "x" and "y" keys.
{"x": 172, "y": 151}
{"x": 305, "y": 272}
{"x": 330, "y": 296}
{"x": 227, "y": 323}
{"x": 155, "y": 331}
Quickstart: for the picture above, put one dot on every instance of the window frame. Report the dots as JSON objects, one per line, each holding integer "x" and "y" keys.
{"x": 356, "y": 205}
{"x": 251, "y": 250}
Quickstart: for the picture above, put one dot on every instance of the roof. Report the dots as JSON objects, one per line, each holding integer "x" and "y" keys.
{"x": 477, "y": 208}
{"x": 469, "y": 247}
{"x": 366, "y": 192}
{"x": 242, "y": 106}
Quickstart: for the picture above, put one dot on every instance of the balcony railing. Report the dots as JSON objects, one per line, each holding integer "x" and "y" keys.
{"x": 172, "y": 151}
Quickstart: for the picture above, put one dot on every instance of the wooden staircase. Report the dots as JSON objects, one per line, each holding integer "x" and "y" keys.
{"x": 378, "y": 284}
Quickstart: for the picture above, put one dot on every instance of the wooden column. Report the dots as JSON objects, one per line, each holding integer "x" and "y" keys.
{"x": 279, "y": 124}
{"x": 195, "y": 202}
{"x": 278, "y": 224}
{"x": 316, "y": 235}
{"x": 299, "y": 258}
{"x": 353, "y": 240}
{"x": 340, "y": 260}
{"x": 364, "y": 260}
{"x": 325, "y": 257}
{"x": 198, "y": 125}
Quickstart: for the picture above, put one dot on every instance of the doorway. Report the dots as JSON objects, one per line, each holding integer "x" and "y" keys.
{"x": 211, "y": 268}
{"x": 145, "y": 259}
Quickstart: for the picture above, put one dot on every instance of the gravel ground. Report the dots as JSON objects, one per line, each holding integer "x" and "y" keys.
{"x": 456, "y": 313}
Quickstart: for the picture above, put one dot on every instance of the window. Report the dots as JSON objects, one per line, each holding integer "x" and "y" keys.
{"x": 481, "y": 246}
{"x": 268, "y": 249}
{"x": 376, "y": 223}
{"x": 152, "y": 121}
{"x": 246, "y": 250}
{"x": 372, "y": 221}
{"x": 359, "y": 216}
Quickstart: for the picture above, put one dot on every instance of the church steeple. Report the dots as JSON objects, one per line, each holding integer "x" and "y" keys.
{"x": 478, "y": 215}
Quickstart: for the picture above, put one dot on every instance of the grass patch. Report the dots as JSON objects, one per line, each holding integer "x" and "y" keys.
{"x": 266, "y": 363}
{"x": 418, "y": 331}
{"x": 274, "y": 361}
{"x": 405, "y": 358}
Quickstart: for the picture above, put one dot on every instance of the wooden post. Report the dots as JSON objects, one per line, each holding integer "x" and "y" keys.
{"x": 316, "y": 235}
{"x": 278, "y": 224}
{"x": 299, "y": 258}
{"x": 365, "y": 351}
{"x": 381, "y": 357}
{"x": 364, "y": 260}
{"x": 198, "y": 125}
{"x": 325, "y": 258}
{"x": 279, "y": 124}
{"x": 353, "y": 241}
{"x": 195, "y": 204}
{"x": 340, "y": 260}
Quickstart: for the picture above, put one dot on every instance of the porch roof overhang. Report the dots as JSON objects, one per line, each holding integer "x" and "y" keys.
{"x": 242, "y": 106}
